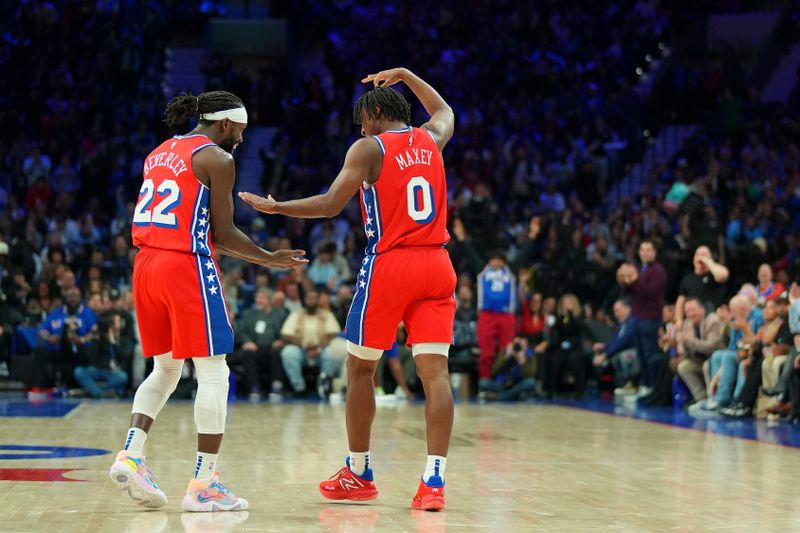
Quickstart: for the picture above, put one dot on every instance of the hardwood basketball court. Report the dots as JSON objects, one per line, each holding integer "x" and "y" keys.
{"x": 532, "y": 467}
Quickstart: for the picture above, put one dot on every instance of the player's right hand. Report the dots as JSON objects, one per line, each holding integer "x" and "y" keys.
{"x": 385, "y": 78}
{"x": 287, "y": 259}
{"x": 259, "y": 203}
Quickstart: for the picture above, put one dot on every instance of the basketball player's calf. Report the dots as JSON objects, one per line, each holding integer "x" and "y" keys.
{"x": 205, "y": 492}
{"x": 431, "y": 361}
{"x": 355, "y": 480}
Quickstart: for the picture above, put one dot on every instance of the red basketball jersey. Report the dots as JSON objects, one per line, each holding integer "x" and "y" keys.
{"x": 407, "y": 206}
{"x": 173, "y": 210}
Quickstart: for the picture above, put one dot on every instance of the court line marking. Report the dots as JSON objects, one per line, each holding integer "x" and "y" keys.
{"x": 74, "y": 410}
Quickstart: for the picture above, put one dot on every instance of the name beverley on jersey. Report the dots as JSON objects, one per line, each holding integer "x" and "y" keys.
{"x": 166, "y": 159}
{"x": 415, "y": 156}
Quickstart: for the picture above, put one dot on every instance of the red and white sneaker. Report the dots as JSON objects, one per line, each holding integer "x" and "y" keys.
{"x": 345, "y": 485}
{"x": 430, "y": 496}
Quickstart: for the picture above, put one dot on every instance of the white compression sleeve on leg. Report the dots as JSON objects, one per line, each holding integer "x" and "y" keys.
{"x": 154, "y": 391}
{"x": 211, "y": 401}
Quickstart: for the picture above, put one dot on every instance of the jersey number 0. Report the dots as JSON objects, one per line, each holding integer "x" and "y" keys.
{"x": 420, "y": 200}
{"x": 161, "y": 215}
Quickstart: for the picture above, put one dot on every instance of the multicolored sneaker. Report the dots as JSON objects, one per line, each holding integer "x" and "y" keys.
{"x": 212, "y": 496}
{"x": 129, "y": 472}
{"x": 430, "y": 495}
{"x": 345, "y": 485}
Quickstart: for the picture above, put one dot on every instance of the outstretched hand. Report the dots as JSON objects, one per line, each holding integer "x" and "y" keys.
{"x": 287, "y": 259}
{"x": 259, "y": 203}
{"x": 385, "y": 78}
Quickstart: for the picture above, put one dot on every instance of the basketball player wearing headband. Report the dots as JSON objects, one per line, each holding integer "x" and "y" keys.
{"x": 183, "y": 216}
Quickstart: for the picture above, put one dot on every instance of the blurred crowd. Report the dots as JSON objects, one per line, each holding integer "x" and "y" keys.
{"x": 558, "y": 293}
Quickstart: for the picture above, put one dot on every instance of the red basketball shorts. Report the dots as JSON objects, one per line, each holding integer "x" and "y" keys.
{"x": 180, "y": 306}
{"x": 415, "y": 286}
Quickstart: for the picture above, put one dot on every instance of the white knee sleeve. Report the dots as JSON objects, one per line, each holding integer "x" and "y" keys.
{"x": 154, "y": 391}
{"x": 435, "y": 348}
{"x": 364, "y": 352}
{"x": 211, "y": 402}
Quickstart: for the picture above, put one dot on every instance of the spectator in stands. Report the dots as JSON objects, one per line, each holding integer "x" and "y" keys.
{"x": 36, "y": 166}
{"x": 768, "y": 289}
{"x": 258, "y": 333}
{"x": 342, "y": 303}
{"x": 463, "y": 254}
{"x": 699, "y": 335}
{"x": 512, "y": 373}
{"x": 794, "y": 384}
{"x": 323, "y": 272}
{"x": 645, "y": 286}
{"x": 706, "y": 282}
{"x": 292, "y": 301}
{"x": 307, "y": 334}
{"x": 566, "y": 348}
{"x": 465, "y": 336}
{"x": 532, "y": 320}
{"x": 620, "y": 351}
{"x": 784, "y": 392}
{"x": 67, "y": 334}
{"x": 761, "y": 361}
{"x": 102, "y": 362}
{"x": 497, "y": 304}
{"x": 724, "y": 364}
{"x": 126, "y": 337}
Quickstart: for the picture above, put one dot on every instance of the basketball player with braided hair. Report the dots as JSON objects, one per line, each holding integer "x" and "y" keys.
{"x": 183, "y": 216}
{"x": 406, "y": 275}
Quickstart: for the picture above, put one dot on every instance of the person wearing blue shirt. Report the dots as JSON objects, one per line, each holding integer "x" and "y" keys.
{"x": 620, "y": 351}
{"x": 743, "y": 327}
{"x": 497, "y": 306}
{"x": 67, "y": 334}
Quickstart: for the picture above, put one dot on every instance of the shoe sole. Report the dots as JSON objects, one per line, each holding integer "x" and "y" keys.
{"x": 429, "y": 504}
{"x": 126, "y": 479}
{"x": 213, "y": 507}
{"x": 354, "y": 498}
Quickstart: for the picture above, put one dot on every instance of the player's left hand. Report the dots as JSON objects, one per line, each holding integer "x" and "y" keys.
{"x": 385, "y": 78}
{"x": 287, "y": 259}
{"x": 259, "y": 203}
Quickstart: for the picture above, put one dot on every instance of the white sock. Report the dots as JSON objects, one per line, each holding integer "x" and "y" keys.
{"x": 206, "y": 466}
{"x": 134, "y": 443}
{"x": 359, "y": 462}
{"x": 435, "y": 467}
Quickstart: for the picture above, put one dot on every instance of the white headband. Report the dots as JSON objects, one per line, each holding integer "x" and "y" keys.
{"x": 237, "y": 114}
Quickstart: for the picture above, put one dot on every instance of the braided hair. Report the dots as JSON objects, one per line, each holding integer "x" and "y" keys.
{"x": 186, "y": 105}
{"x": 384, "y": 100}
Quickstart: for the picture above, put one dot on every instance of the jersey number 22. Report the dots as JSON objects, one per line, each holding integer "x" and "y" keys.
{"x": 161, "y": 215}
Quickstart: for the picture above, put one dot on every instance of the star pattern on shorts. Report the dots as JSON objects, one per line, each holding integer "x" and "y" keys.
{"x": 202, "y": 222}
{"x": 204, "y": 211}
{"x": 370, "y": 233}
{"x": 211, "y": 288}
{"x": 201, "y": 234}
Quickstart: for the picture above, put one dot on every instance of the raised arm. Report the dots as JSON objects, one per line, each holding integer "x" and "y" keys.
{"x": 218, "y": 168}
{"x": 363, "y": 160}
{"x": 442, "y": 119}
